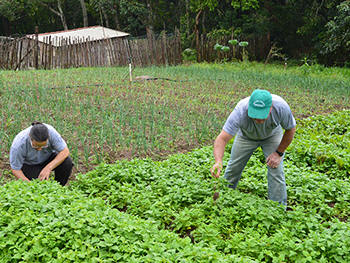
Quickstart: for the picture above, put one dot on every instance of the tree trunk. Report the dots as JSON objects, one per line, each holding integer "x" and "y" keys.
{"x": 150, "y": 16}
{"x": 61, "y": 14}
{"x": 204, "y": 30}
{"x": 58, "y": 13}
{"x": 196, "y": 30}
{"x": 116, "y": 18}
{"x": 105, "y": 16}
{"x": 187, "y": 18}
{"x": 85, "y": 16}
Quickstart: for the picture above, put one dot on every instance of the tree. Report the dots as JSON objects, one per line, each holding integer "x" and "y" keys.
{"x": 52, "y": 5}
{"x": 336, "y": 41}
{"x": 200, "y": 7}
{"x": 102, "y": 9}
{"x": 110, "y": 12}
{"x": 84, "y": 11}
{"x": 311, "y": 19}
{"x": 20, "y": 17}
{"x": 137, "y": 15}
{"x": 12, "y": 9}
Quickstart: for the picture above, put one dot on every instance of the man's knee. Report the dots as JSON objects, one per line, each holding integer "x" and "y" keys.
{"x": 64, "y": 170}
{"x": 66, "y": 164}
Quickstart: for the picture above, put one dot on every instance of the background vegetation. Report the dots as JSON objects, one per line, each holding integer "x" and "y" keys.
{"x": 317, "y": 29}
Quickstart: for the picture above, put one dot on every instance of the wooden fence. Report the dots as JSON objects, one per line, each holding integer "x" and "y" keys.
{"x": 161, "y": 51}
{"x": 27, "y": 53}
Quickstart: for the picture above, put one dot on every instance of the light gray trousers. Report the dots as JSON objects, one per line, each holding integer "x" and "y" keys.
{"x": 242, "y": 150}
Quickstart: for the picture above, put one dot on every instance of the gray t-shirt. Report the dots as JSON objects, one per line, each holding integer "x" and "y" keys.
{"x": 22, "y": 152}
{"x": 280, "y": 117}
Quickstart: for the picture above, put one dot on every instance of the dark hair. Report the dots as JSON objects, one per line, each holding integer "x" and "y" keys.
{"x": 39, "y": 132}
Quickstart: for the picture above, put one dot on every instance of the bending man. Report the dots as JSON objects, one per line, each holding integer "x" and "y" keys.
{"x": 38, "y": 150}
{"x": 257, "y": 121}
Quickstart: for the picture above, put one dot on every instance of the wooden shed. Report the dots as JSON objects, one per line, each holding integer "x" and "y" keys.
{"x": 88, "y": 46}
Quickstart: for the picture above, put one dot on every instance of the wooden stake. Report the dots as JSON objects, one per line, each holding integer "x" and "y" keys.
{"x": 130, "y": 70}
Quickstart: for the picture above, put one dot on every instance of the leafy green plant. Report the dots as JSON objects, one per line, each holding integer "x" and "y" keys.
{"x": 225, "y": 49}
{"x": 156, "y": 211}
{"x": 233, "y": 43}
{"x": 92, "y": 232}
{"x": 217, "y": 47}
{"x": 189, "y": 55}
{"x": 179, "y": 192}
{"x": 336, "y": 40}
{"x": 244, "y": 44}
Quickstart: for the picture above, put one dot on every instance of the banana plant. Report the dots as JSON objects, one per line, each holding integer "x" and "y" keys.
{"x": 244, "y": 44}
{"x": 234, "y": 43}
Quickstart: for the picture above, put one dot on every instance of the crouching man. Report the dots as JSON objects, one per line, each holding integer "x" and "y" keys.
{"x": 39, "y": 150}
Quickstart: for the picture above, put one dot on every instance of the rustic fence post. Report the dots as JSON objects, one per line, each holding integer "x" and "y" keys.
{"x": 178, "y": 50}
{"x": 12, "y": 54}
{"x": 19, "y": 55}
{"x": 60, "y": 56}
{"x": 44, "y": 53}
{"x": 36, "y": 49}
{"x": 150, "y": 40}
{"x": 165, "y": 42}
{"x": 49, "y": 62}
{"x": 163, "y": 47}
{"x": 86, "y": 47}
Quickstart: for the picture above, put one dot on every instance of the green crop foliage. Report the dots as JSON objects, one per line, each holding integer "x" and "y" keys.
{"x": 177, "y": 195}
{"x": 64, "y": 226}
{"x": 163, "y": 211}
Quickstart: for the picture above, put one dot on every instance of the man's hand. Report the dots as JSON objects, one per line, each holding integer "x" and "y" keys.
{"x": 61, "y": 156}
{"x": 216, "y": 167}
{"x": 44, "y": 174}
{"x": 20, "y": 175}
{"x": 273, "y": 160}
{"x": 219, "y": 150}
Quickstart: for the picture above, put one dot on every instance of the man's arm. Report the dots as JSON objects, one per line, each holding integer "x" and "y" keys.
{"x": 219, "y": 150}
{"x": 286, "y": 140}
{"x": 20, "y": 175}
{"x": 61, "y": 156}
{"x": 273, "y": 160}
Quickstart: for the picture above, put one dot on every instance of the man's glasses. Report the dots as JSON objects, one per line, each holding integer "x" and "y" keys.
{"x": 38, "y": 147}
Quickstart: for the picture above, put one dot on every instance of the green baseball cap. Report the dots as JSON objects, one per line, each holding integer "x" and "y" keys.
{"x": 259, "y": 104}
